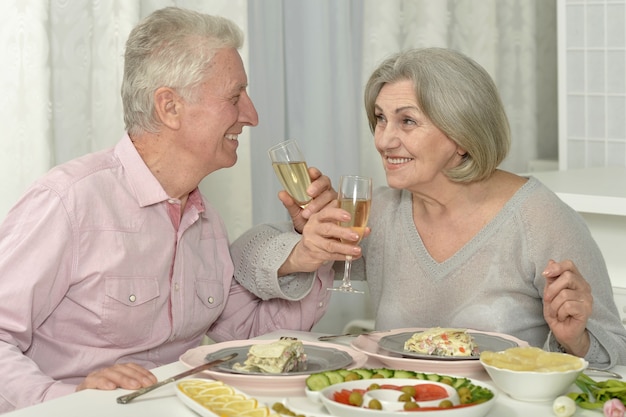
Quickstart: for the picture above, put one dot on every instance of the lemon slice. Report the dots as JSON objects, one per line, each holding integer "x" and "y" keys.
{"x": 223, "y": 399}
{"x": 255, "y": 412}
{"x": 242, "y": 405}
{"x": 225, "y": 412}
{"x": 192, "y": 387}
{"x": 215, "y": 391}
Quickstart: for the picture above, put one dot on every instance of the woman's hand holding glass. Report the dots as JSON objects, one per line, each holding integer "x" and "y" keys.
{"x": 355, "y": 196}
{"x": 324, "y": 240}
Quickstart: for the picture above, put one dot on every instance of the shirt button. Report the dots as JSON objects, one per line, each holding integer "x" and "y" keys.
{"x": 321, "y": 304}
{"x": 210, "y": 300}
{"x": 176, "y": 286}
{"x": 132, "y": 298}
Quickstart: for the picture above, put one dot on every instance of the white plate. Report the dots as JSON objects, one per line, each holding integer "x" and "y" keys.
{"x": 495, "y": 343}
{"x": 263, "y": 385}
{"x": 368, "y": 344}
{"x": 318, "y": 359}
{"x": 304, "y": 406}
{"x": 312, "y": 408}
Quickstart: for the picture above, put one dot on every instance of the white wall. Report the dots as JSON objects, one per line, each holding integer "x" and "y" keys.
{"x": 592, "y": 83}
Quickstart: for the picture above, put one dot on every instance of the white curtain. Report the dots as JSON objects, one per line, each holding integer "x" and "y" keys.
{"x": 61, "y": 81}
{"x": 515, "y": 40}
{"x": 307, "y": 63}
{"x": 310, "y": 61}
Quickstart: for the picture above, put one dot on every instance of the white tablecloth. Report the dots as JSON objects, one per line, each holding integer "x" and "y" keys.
{"x": 163, "y": 401}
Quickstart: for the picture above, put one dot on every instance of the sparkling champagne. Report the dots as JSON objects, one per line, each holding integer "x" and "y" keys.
{"x": 360, "y": 211}
{"x": 294, "y": 176}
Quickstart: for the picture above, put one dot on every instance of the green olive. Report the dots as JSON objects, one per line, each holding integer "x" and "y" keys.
{"x": 446, "y": 380}
{"x": 373, "y": 386}
{"x": 404, "y": 397}
{"x": 355, "y": 398}
{"x": 278, "y": 407}
{"x": 408, "y": 389}
{"x": 446, "y": 404}
{"x": 351, "y": 376}
{"x": 411, "y": 405}
{"x": 374, "y": 404}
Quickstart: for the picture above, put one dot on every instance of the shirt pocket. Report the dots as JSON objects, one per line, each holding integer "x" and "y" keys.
{"x": 129, "y": 310}
{"x": 210, "y": 293}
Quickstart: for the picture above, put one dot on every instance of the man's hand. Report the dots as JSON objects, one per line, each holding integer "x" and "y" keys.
{"x": 127, "y": 376}
{"x": 320, "y": 190}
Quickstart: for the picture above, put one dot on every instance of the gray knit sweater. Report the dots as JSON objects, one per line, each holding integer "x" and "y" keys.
{"x": 494, "y": 283}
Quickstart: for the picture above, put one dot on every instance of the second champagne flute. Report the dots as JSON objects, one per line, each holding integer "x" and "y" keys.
{"x": 355, "y": 196}
{"x": 291, "y": 169}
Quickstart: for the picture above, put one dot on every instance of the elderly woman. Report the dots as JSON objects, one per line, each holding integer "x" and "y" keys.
{"x": 456, "y": 242}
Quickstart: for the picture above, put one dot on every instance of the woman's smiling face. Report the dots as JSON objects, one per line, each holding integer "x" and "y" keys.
{"x": 414, "y": 151}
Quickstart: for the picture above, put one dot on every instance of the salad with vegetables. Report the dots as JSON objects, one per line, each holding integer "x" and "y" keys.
{"x": 468, "y": 392}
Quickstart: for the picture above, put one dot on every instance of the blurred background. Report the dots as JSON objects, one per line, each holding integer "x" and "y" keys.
{"x": 307, "y": 63}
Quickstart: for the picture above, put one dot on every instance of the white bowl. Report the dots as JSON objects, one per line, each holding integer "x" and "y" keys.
{"x": 343, "y": 410}
{"x": 532, "y": 385}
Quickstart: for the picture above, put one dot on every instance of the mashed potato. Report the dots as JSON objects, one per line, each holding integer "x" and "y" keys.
{"x": 531, "y": 359}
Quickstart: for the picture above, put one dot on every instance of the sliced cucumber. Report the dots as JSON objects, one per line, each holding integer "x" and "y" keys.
{"x": 364, "y": 372}
{"x": 460, "y": 382}
{"x": 403, "y": 374}
{"x": 317, "y": 382}
{"x": 433, "y": 377}
{"x": 384, "y": 372}
{"x": 334, "y": 377}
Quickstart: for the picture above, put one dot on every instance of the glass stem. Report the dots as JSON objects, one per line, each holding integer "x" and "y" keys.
{"x": 346, "y": 271}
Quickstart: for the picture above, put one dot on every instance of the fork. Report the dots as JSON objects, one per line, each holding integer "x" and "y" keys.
{"x": 335, "y": 336}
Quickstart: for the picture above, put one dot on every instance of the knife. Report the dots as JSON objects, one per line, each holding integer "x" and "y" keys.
{"x": 129, "y": 397}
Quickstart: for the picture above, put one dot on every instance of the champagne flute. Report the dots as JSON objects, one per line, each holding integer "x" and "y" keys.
{"x": 355, "y": 196}
{"x": 291, "y": 169}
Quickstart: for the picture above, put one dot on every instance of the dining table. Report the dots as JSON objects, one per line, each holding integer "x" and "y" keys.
{"x": 164, "y": 401}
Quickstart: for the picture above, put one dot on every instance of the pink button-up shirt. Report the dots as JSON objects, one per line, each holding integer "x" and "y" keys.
{"x": 93, "y": 271}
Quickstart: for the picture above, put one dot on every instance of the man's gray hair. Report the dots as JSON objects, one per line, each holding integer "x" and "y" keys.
{"x": 172, "y": 47}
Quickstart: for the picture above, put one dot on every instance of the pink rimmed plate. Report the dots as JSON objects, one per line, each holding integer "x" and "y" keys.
{"x": 371, "y": 346}
{"x": 266, "y": 385}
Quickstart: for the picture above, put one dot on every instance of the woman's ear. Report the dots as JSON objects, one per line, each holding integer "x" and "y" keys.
{"x": 166, "y": 106}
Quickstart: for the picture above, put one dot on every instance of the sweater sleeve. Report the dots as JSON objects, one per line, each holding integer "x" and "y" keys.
{"x": 259, "y": 301}
{"x": 560, "y": 233}
{"x": 257, "y": 256}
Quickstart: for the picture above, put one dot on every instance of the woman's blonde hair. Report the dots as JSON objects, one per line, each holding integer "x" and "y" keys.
{"x": 172, "y": 47}
{"x": 459, "y": 97}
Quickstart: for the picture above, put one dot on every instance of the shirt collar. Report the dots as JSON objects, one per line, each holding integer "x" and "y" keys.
{"x": 147, "y": 188}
